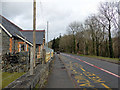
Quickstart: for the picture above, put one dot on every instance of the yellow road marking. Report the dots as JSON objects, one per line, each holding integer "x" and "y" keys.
{"x": 89, "y": 74}
{"x": 78, "y": 81}
{"x": 93, "y": 77}
{"x": 84, "y": 89}
{"x": 86, "y": 85}
{"x": 106, "y": 86}
{"x": 79, "y": 77}
{"x": 74, "y": 71}
{"x": 84, "y": 82}
{"x": 98, "y": 80}
{"x": 83, "y": 69}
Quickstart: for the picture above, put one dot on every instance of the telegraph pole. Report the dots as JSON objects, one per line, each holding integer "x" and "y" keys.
{"x": 33, "y": 49}
{"x": 47, "y": 32}
{"x": 34, "y": 32}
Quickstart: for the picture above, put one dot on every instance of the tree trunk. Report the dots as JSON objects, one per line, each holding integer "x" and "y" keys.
{"x": 93, "y": 43}
{"x": 119, "y": 44}
{"x": 86, "y": 48}
{"x": 106, "y": 49}
{"x": 110, "y": 41}
{"x": 74, "y": 43}
{"x": 97, "y": 47}
{"x": 93, "y": 51}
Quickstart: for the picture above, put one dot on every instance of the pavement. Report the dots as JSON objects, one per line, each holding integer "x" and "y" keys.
{"x": 59, "y": 77}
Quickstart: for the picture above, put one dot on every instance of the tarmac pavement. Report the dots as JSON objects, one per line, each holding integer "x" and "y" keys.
{"x": 59, "y": 77}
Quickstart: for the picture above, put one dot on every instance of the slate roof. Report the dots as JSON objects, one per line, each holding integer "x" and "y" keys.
{"x": 10, "y": 27}
{"x": 29, "y": 35}
{"x": 14, "y": 29}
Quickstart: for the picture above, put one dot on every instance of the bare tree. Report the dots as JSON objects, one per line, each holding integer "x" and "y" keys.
{"x": 107, "y": 13}
{"x": 97, "y": 32}
{"x": 95, "y": 35}
{"x": 73, "y": 28}
{"x": 91, "y": 24}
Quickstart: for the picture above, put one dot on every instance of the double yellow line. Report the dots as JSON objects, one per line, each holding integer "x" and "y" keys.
{"x": 100, "y": 83}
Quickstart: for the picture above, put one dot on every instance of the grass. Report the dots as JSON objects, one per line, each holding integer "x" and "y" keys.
{"x": 7, "y": 78}
{"x": 0, "y": 79}
{"x": 114, "y": 60}
{"x": 100, "y": 57}
{"x": 37, "y": 86}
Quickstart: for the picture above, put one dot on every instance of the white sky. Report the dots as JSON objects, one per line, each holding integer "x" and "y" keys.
{"x": 59, "y": 13}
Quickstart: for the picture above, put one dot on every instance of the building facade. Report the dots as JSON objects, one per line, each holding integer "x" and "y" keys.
{"x": 13, "y": 39}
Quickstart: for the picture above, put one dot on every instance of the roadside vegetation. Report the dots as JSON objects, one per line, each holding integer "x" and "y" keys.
{"x": 113, "y": 60}
{"x": 98, "y": 35}
{"x": 100, "y": 57}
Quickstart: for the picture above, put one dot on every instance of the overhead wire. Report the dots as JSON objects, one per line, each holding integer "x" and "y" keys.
{"x": 41, "y": 13}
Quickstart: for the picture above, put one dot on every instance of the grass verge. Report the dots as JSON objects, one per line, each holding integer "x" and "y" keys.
{"x": 112, "y": 60}
{"x": 7, "y": 78}
{"x": 100, "y": 57}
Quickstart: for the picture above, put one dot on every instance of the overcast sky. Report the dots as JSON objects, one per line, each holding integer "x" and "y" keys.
{"x": 59, "y": 13}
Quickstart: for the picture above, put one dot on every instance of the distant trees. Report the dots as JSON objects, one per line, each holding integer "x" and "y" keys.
{"x": 66, "y": 43}
{"x": 54, "y": 44}
{"x": 96, "y": 36}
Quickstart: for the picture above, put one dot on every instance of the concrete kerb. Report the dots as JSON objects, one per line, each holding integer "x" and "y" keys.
{"x": 68, "y": 71}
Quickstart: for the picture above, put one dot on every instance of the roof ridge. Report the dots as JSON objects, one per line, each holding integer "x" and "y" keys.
{"x": 32, "y": 30}
{"x": 10, "y": 21}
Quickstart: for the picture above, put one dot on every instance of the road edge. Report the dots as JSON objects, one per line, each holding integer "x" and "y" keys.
{"x": 73, "y": 81}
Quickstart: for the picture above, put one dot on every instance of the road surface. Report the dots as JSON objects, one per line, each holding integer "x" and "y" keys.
{"x": 91, "y": 73}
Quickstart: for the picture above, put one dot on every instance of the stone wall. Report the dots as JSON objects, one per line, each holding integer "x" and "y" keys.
{"x": 16, "y": 62}
{"x": 0, "y": 44}
{"x": 5, "y": 42}
{"x": 37, "y": 80}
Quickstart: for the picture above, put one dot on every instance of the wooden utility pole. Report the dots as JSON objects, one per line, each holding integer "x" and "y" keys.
{"x": 34, "y": 32}
{"x": 31, "y": 60}
{"x": 47, "y": 32}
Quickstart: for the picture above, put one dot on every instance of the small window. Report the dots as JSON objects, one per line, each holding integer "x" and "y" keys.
{"x": 22, "y": 47}
{"x": 0, "y": 31}
{"x": 26, "y": 48}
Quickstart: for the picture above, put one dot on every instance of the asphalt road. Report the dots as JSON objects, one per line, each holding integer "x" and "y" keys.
{"x": 91, "y": 73}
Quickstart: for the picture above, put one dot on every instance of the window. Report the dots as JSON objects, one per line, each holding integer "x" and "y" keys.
{"x": 0, "y": 31}
{"x": 21, "y": 46}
